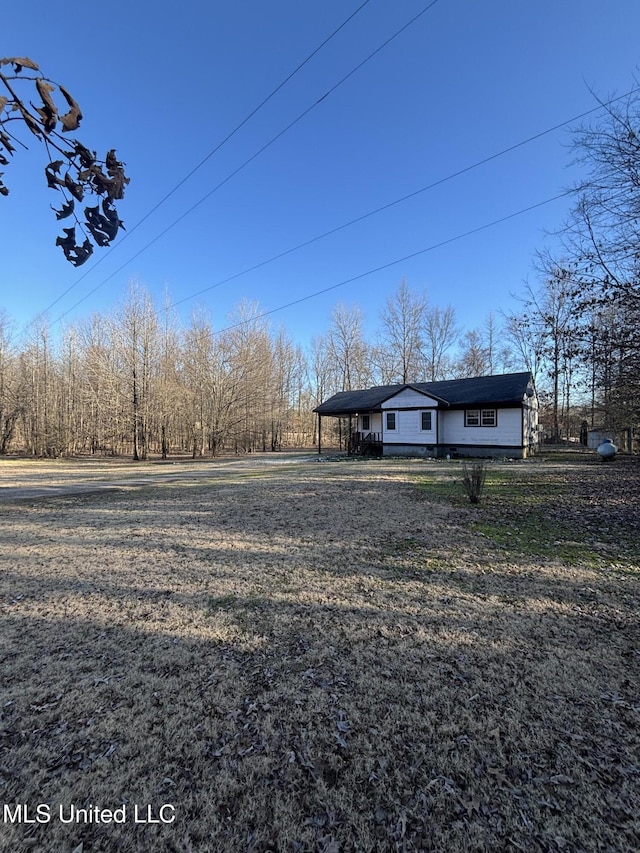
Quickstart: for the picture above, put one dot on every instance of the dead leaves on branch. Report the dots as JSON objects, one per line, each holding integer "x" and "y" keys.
{"x": 19, "y": 63}
{"x": 75, "y": 171}
{"x": 111, "y": 185}
{"x": 49, "y": 111}
{"x": 72, "y": 119}
{"x": 74, "y": 253}
{"x": 103, "y": 226}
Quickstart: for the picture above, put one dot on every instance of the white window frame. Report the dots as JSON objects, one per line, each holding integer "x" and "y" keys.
{"x": 481, "y": 418}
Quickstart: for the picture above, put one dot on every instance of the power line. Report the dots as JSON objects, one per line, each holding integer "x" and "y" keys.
{"x": 252, "y": 113}
{"x": 403, "y": 198}
{"x": 364, "y": 216}
{"x": 213, "y": 151}
{"x": 397, "y": 261}
{"x": 260, "y": 151}
{"x": 348, "y": 223}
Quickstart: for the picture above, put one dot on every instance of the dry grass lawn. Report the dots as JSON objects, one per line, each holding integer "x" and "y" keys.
{"x": 338, "y": 656}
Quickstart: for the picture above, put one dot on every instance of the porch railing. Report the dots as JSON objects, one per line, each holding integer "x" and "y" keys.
{"x": 365, "y": 444}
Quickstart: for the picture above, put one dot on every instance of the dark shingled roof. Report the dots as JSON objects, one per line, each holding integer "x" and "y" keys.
{"x": 505, "y": 389}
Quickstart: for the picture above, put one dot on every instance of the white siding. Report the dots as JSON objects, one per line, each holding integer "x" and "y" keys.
{"x": 408, "y": 406}
{"x": 375, "y": 422}
{"x": 408, "y": 427}
{"x": 409, "y": 398}
{"x": 507, "y": 432}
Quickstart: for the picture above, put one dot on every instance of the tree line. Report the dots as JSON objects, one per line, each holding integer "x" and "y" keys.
{"x": 136, "y": 382}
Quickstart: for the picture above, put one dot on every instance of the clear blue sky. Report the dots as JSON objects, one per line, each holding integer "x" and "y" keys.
{"x": 166, "y": 84}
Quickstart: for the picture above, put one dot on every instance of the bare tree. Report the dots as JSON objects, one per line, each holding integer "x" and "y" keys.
{"x": 104, "y": 401}
{"x": 527, "y": 343}
{"x": 485, "y": 350}
{"x": 201, "y": 366}
{"x": 347, "y": 348}
{"x": 473, "y": 359}
{"x": 499, "y": 355}
{"x": 168, "y": 395}
{"x": 602, "y": 235}
{"x": 39, "y": 375}
{"x": 303, "y": 418}
{"x": 71, "y": 425}
{"x": 440, "y": 335}
{"x": 286, "y": 366}
{"x": 136, "y": 330}
{"x": 251, "y": 363}
{"x": 400, "y": 348}
{"x": 11, "y": 405}
{"x": 548, "y": 333}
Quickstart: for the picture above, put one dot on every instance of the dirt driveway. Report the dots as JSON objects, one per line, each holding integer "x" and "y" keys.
{"x": 34, "y": 478}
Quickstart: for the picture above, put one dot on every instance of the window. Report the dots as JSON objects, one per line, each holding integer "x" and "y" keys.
{"x": 481, "y": 417}
{"x": 366, "y": 423}
{"x": 425, "y": 422}
{"x": 391, "y": 420}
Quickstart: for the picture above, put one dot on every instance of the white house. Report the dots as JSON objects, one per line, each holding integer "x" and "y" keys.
{"x": 483, "y": 416}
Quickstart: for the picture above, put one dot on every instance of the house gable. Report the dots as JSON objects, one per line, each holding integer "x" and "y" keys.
{"x": 409, "y": 397}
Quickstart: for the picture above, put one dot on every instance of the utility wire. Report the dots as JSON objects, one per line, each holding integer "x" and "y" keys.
{"x": 243, "y": 165}
{"x": 338, "y": 228}
{"x": 213, "y": 151}
{"x": 403, "y": 198}
{"x": 251, "y": 114}
{"x": 364, "y": 216}
{"x": 397, "y": 261}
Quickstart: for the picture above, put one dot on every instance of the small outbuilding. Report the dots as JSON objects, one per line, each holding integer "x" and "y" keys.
{"x": 595, "y": 437}
{"x": 484, "y": 416}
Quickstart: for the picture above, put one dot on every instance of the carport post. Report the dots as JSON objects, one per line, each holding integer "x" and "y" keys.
{"x": 319, "y": 434}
